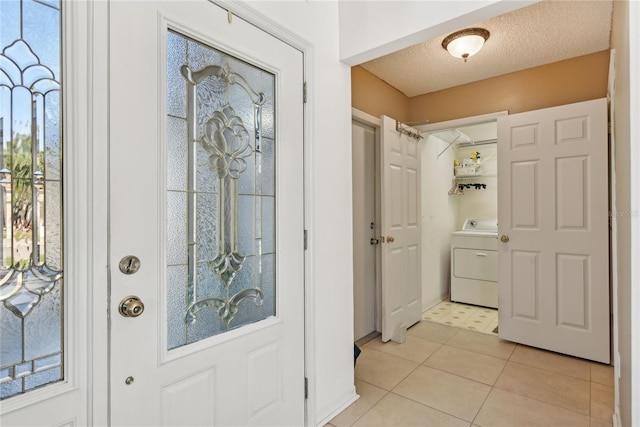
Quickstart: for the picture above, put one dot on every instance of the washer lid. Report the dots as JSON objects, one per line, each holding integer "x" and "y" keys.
{"x": 472, "y": 233}
{"x": 483, "y": 225}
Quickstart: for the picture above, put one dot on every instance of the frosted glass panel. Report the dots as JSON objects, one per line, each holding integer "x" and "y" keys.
{"x": 176, "y": 154}
{"x": 176, "y": 89}
{"x": 31, "y": 291}
{"x": 216, "y": 148}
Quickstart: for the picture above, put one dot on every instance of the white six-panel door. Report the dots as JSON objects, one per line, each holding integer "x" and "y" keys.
{"x": 253, "y": 374}
{"x": 553, "y": 229}
{"x": 401, "y": 230}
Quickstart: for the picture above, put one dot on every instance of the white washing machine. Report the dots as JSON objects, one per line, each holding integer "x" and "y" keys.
{"x": 474, "y": 263}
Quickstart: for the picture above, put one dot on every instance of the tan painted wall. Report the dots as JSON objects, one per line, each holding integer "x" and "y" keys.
{"x": 565, "y": 82}
{"x": 377, "y": 97}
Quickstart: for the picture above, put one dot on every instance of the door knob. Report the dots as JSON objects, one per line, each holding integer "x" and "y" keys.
{"x": 131, "y": 306}
{"x": 504, "y": 238}
{"x": 390, "y": 239}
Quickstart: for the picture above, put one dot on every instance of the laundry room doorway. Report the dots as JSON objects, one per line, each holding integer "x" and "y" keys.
{"x": 442, "y": 213}
{"x": 366, "y": 284}
{"x": 551, "y": 273}
{"x": 459, "y": 163}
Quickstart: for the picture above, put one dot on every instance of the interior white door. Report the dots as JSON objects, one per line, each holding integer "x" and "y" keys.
{"x": 401, "y": 231}
{"x": 206, "y": 190}
{"x": 553, "y": 226}
{"x": 363, "y": 141}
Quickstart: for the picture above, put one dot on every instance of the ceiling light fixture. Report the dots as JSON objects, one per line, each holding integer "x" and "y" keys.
{"x": 465, "y": 43}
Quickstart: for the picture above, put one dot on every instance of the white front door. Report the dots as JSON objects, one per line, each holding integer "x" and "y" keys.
{"x": 206, "y": 191}
{"x": 401, "y": 231}
{"x": 553, "y": 229}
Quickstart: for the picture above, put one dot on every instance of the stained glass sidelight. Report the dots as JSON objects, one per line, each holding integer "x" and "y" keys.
{"x": 31, "y": 258}
{"x": 220, "y": 192}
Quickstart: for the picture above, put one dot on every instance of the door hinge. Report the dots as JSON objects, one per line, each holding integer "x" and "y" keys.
{"x": 306, "y": 388}
{"x": 306, "y": 240}
{"x": 304, "y": 92}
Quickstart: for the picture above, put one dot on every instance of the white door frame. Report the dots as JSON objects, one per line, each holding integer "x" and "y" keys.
{"x": 634, "y": 135}
{"x": 95, "y": 95}
{"x": 98, "y": 140}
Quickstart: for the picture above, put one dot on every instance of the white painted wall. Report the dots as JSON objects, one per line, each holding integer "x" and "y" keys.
{"x": 328, "y": 190}
{"x": 438, "y": 220}
{"x": 370, "y": 29}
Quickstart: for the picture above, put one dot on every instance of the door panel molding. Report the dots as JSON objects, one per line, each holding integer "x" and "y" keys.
{"x": 553, "y": 194}
{"x": 401, "y": 227}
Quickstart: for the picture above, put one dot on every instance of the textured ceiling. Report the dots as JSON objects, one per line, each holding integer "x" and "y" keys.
{"x": 546, "y": 32}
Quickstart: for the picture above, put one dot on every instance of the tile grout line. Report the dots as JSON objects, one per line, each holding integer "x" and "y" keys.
{"x": 387, "y": 392}
{"x": 400, "y": 357}
{"x": 429, "y": 406}
{"x": 493, "y": 386}
{"x": 458, "y": 375}
{"x": 542, "y": 401}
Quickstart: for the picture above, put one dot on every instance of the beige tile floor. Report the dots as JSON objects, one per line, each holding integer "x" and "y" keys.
{"x": 449, "y": 376}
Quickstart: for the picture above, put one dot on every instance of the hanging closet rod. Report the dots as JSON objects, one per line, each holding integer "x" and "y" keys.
{"x": 407, "y": 132}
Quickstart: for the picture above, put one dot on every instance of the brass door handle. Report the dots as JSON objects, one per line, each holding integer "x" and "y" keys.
{"x": 131, "y": 306}
{"x": 504, "y": 238}
{"x": 390, "y": 239}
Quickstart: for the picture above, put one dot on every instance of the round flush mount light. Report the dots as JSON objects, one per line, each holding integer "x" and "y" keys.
{"x": 465, "y": 43}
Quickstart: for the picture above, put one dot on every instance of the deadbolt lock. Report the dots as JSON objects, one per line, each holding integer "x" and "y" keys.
{"x": 129, "y": 264}
{"x": 131, "y": 306}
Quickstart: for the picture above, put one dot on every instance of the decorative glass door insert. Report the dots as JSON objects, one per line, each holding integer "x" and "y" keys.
{"x": 31, "y": 256}
{"x": 220, "y": 192}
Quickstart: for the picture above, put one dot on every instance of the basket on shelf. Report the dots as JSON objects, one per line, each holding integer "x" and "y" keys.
{"x": 462, "y": 171}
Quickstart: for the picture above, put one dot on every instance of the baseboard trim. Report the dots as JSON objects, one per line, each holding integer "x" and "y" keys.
{"x": 348, "y": 400}
{"x": 616, "y": 420}
{"x": 433, "y": 302}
